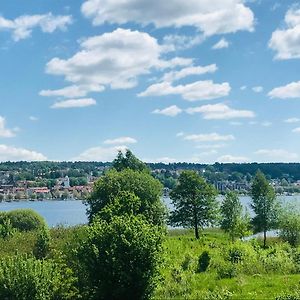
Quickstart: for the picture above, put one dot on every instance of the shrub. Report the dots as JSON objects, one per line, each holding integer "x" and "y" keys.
{"x": 42, "y": 244}
{"x": 26, "y": 219}
{"x": 204, "y": 260}
{"x": 121, "y": 258}
{"x": 6, "y": 229}
{"x": 30, "y": 279}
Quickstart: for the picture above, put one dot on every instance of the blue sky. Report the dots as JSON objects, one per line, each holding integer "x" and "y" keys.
{"x": 197, "y": 81}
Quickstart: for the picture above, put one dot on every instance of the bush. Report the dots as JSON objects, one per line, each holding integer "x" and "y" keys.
{"x": 30, "y": 279}
{"x": 121, "y": 258}
{"x": 26, "y": 219}
{"x": 42, "y": 244}
{"x": 204, "y": 260}
{"x": 6, "y": 229}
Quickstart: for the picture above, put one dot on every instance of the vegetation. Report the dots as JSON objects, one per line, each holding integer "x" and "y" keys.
{"x": 264, "y": 205}
{"x": 194, "y": 201}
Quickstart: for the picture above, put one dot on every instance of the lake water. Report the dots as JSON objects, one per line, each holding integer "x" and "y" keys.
{"x": 72, "y": 212}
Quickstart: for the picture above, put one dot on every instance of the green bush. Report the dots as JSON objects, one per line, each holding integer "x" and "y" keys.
{"x": 26, "y": 219}
{"x": 204, "y": 260}
{"x": 42, "y": 244}
{"x": 120, "y": 259}
{"x": 30, "y": 279}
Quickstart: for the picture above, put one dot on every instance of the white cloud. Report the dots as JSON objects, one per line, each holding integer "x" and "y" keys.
{"x": 210, "y": 137}
{"x": 193, "y": 70}
{"x": 164, "y": 160}
{"x": 286, "y": 42}
{"x": 100, "y": 153}
{"x": 257, "y": 89}
{"x": 174, "y": 42}
{"x": 124, "y": 140}
{"x": 23, "y": 26}
{"x": 179, "y": 134}
{"x": 170, "y": 111}
{"x": 276, "y": 155}
{"x": 208, "y": 16}
{"x": 221, "y": 44}
{"x": 199, "y": 90}
{"x": 114, "y": 59}
{"x": 296, "y": 130}
{"x": 220, "y": 111}
{"x": 9, "y": 153}
{"x": 72, "y": 103}
{"x": 232, "y": 159}
{"x": 292, "y": 120}
{"x": 33, "y": 118}
{"x": 73, "y": 91}
{"x": 266, "y": 124}
{"x": 6, "y": 132}
{"x": 291, "y": 90}
{"x": 243, "y": 88}
{"x": 212, "y": 146}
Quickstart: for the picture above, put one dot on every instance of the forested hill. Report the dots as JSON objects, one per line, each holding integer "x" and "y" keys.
{"x": 272, "y": 170}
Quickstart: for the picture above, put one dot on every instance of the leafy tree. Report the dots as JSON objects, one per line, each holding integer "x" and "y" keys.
{"x": 42, "y": 244}
{"x": 121, "y": 258}
{"x": 194, "y": 201}
{"x": 141, "y": 184}
{"x": 129, "y": 161}
{"x": 233, "y": 221}
{"x": 264, "y": 204}
{"x": 289, "y": 225}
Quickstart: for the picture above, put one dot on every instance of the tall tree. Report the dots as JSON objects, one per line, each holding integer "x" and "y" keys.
{"x": 264, "y": 204}
{"x": 194, "y": 201}
{"x": 233, "y": 220}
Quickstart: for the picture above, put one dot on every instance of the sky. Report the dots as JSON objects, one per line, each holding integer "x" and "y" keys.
{"x": 199, "y": 81}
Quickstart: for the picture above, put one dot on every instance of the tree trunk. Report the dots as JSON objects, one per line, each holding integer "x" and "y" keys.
{"x": 196, "y": 224}
{"x": 265, "y": 238}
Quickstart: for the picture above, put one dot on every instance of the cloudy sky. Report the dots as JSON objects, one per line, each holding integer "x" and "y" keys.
{"x": 198, "y": 80}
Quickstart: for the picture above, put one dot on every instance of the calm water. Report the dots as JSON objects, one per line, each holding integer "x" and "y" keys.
{"x": 72, "y": 212}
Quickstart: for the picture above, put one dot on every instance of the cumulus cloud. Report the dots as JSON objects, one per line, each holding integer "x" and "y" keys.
{"x": 199, "y": 90}
{"x": 171, "y": 111}
{"x": 6, "y": 132}
{"x": 114, "y": 59}
{"x": 291, "y": 90}
{"x": 120, "y": 140}
{"x": 210, "y": 137}
{"x": 74, "y": 103}
{"x": 9, "y": 153}
{"x": 23, "y": 26}
{"x": 193, "y": 70}
{"x": 221, "y": 44}
{"x": 286, "y": 42}
{"x": 220, "y": 111}
{"x": 277, "y": 155}
{"x": 292, "y": 120}
{"x": 208, "y": 16}
{"x": 257, "y": 89}
{"x": 100, "y": 153}
{"x": 232, "y": 159}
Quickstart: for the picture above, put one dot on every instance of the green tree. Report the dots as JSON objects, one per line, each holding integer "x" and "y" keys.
{"x": 194, "y": 201}
{"x": 141, "y": 184}
{"x": 232, "y": 219}
{"x": 289, "y": 225}
{"x": 42, "y": 244}
{"x": 121, "y": 258}
{"x": 264, "y": 204}
{"x": 129, "y": 161}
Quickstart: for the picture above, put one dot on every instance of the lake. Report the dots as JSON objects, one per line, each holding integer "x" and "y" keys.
{"x": 71, "y": 212}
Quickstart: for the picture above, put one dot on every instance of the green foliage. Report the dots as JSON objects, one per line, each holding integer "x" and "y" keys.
{"x": 264, "y": 205}
{"x": 121, "y": 258}
{"x": 25, "y": 219}
{"x": 42, "y": 244}
{"x": 233, "y": 221}
{"x": 141, "y": 184}
{"x": 30, "y": 279}
{"x": 204, "y": 260}
{"x": 289, "y": 225}
{"x": 289, "y": 296}
{"x": 194, "y": 201}
{"x": 129, "y": 161}
{"x": 6, "y": 228}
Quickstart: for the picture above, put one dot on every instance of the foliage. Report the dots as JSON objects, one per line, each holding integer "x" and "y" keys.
{"x": 129, "y": 161}
{"x": 204, "y": 260}
{"x": 264, "y": 205}
{"x": 42, "y": 244}
{"x": 31, "y": 279}
{"x": 141, "y": 184}
{"x": 6, "y": 228}
{"x": 121, "y": 258}
{"x": 233, "y": 221}
{"x": 194, "y": 201}
{"x": 26, "y": 219}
